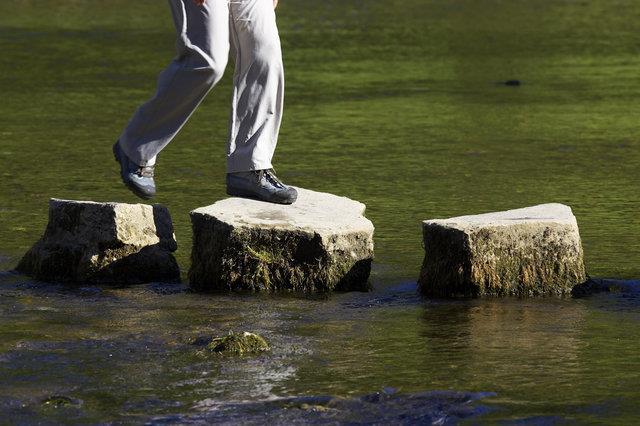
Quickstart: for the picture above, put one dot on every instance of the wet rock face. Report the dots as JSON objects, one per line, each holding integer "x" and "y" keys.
{"x": 524, "y": 252}
{"x": 320, "y": 243}
{"x": 88, "y": 242}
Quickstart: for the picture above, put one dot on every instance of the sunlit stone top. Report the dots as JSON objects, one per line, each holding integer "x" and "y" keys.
{"x": 553, "y": 212}
{"x": 318, "y": 212}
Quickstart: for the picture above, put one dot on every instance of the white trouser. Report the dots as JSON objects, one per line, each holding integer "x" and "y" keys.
{"x": 204, "y": 37}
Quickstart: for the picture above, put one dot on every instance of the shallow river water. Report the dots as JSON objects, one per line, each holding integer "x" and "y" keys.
{"x": 400, "y": 104}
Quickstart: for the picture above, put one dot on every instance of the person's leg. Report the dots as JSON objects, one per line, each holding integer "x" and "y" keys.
{"x": 258, "y": 96}
{"x": 258, "y": 93}
{"x": 203, "y": 50}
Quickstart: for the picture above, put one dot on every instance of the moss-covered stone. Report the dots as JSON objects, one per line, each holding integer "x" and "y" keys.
{"x": 88, "y": 242}
{"x": 526, "y": 252}
{"x": 59, "y": 401}
{"x": 319, "y": 244}
{"x": 239, "y": 344}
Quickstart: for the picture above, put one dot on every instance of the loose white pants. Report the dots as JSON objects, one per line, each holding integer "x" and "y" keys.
{"x": 205, "y": 34}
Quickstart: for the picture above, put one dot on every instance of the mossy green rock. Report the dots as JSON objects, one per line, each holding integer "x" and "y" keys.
{"x": 239, "y": 344}
{"x": 59, "y": 401}
{"x": 525, "y": 252}
{"x": 89, "y": 242}
{"x": 320, "y": 243}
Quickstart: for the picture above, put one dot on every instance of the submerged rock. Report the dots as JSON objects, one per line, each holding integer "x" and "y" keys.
{"x": 380, "y": 408}
{"x": 524, "y": 252}
{"x": 104, "y": 243}
{"x": 239, "y": 344}
{"x": 512, "y": 83}
{"x": 58, "y": 401}
{"x": 320, "y": 243}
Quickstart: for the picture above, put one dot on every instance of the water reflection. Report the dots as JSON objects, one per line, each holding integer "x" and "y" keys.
{"x": 492, "y": 342}
{"x": 131, "y": 348}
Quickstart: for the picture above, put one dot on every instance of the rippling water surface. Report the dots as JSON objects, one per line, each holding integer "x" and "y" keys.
{"x": 399, "y": 104}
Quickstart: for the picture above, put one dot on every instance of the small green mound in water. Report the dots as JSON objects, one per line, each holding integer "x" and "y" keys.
{"x": 239, "y": 344}
{"x": 58, "y": 401}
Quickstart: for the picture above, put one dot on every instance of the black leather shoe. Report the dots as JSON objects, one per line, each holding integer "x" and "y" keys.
{"x": 139, "y": 179}
{"x": 261, "y": 185}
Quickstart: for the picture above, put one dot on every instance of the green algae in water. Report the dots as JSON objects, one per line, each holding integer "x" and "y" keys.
{"x": 239, "y": 344}
{"x": 60, "y": 401}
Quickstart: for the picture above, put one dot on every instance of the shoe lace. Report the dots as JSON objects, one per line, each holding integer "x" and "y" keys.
{"x": 145, "y": 171}
{"x": 270, "y": 175}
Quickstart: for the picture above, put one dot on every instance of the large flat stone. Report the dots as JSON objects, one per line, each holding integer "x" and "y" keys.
{"x": 524, "y": 252}
{"x": 320, "y": 243}
{"x": 94, "y": 242}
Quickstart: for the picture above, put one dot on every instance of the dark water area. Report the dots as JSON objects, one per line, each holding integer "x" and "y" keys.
{"x": 411, "y": 107}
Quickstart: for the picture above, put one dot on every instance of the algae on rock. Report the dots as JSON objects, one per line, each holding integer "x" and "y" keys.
{"x": 89, "y": 242}
{"x": 525, "y": 252}
{"x": 319, "y": 244}
{"x": 59, "y": 401}
{"x": 239, "y": 344}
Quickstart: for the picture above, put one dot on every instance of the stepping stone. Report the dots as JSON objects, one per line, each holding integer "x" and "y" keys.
{"x": 88, "y": 242}
{"x": 525, "y": 252}
{"x": 320, "y": 243}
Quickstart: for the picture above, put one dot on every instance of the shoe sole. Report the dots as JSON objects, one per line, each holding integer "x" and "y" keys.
{"x": 252, "y": 196}
{"x": 127, "y": 183}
